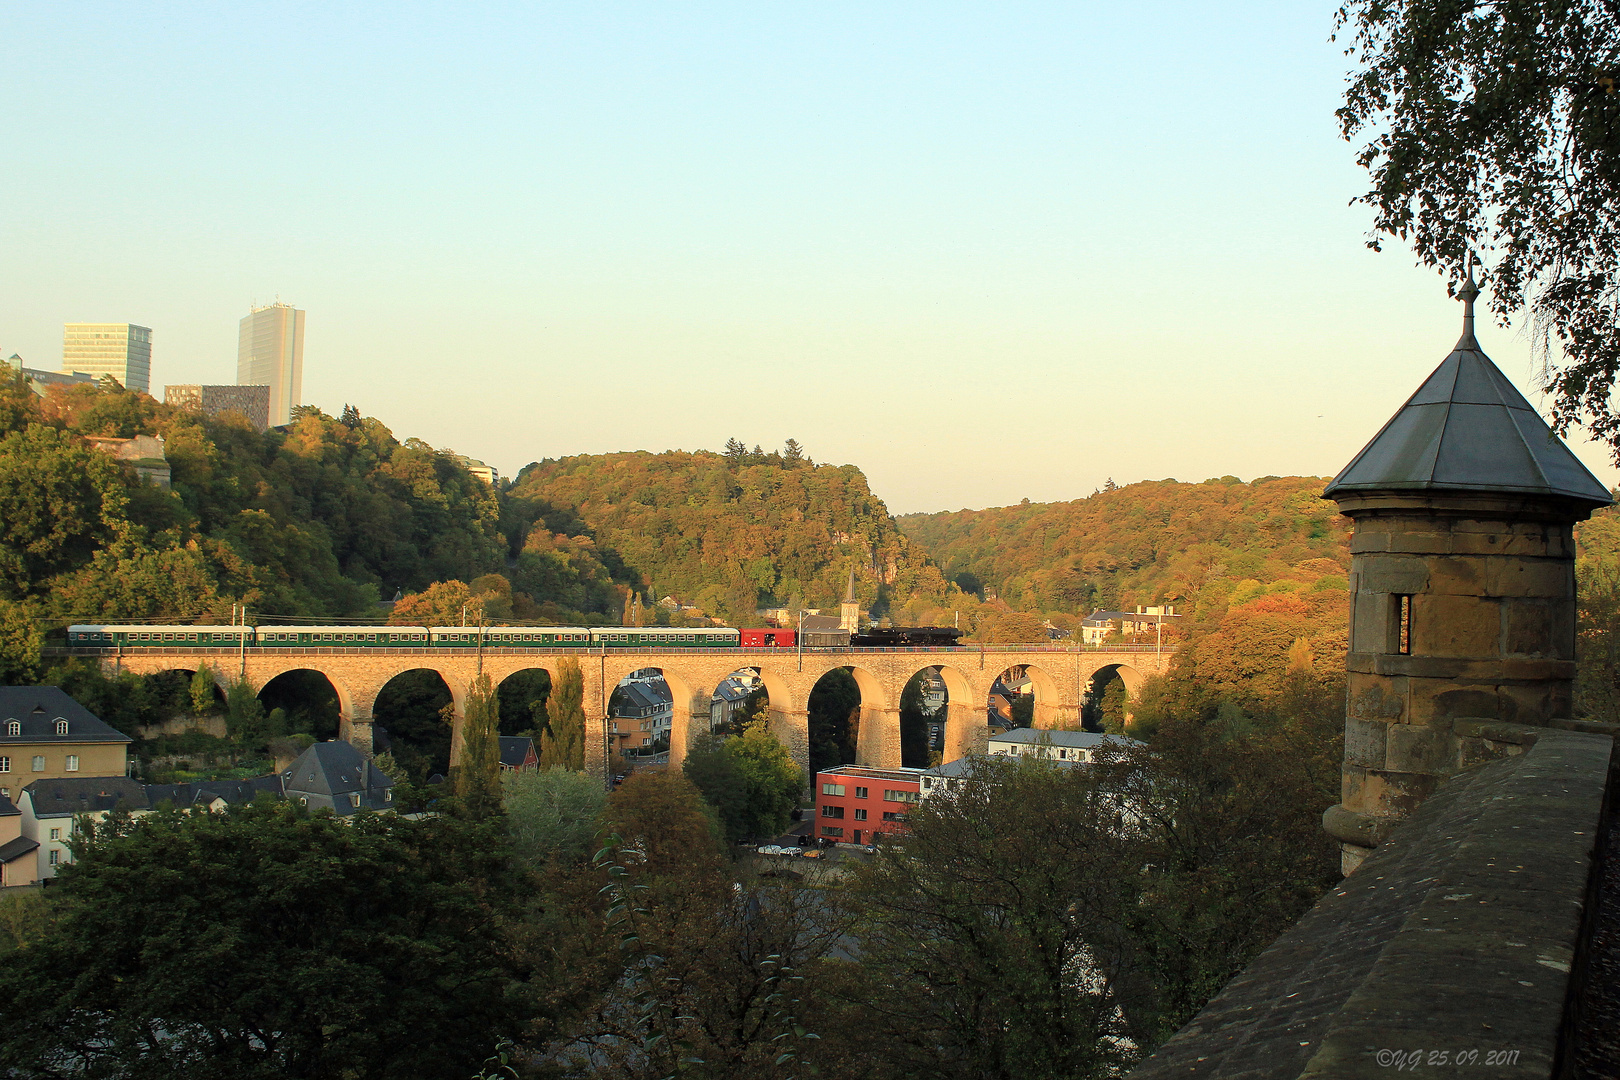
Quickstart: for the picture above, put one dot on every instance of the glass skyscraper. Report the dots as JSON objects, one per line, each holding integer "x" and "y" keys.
{"x": 122, "y": 350}
{"x": 270, "y": 352}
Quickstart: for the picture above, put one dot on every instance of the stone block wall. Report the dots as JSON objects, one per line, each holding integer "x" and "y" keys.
{"x": 1489, "y": 585}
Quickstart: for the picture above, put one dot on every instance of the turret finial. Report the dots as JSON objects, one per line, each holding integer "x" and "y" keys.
{"x": 1468, "y": 294}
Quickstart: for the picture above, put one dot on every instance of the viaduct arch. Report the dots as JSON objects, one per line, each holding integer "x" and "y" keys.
{"x": 1060, "y": 677}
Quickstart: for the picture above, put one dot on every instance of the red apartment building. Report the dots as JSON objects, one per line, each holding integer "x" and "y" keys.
{"x": 854, "y": 804}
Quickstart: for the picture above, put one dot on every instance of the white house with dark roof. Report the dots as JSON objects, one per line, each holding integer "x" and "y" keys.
{"x": 53, "y": 810}
{"x": 336, "y": 776}
{"x": 44, "y": 734}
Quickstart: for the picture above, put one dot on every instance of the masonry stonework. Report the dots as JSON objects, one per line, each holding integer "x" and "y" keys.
{"x": 1061, "y": 679}
{"x": 1462, "y": 589}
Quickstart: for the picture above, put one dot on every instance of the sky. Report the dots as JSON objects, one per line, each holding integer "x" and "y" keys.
{"x": 986, "y": 252}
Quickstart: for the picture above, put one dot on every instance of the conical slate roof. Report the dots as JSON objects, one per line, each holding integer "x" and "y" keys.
{"x": 1468, "y": 429}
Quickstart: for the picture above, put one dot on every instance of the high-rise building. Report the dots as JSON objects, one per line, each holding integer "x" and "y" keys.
{"x": 270, "y": 352}
{"x": 252, "y": 402}
{"x": 122, "y": 350}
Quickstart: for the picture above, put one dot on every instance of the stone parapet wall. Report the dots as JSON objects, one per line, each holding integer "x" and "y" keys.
{"x": 1456, "y": 937}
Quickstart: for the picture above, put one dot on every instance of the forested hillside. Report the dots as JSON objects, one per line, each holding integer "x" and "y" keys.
{"x": 1152, "y": 542}
{"x": 317, "y": 520}
{"x": 726, "y": 532}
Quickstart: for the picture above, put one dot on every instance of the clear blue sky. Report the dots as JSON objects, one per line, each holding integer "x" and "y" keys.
{"x": 984, "y": 251}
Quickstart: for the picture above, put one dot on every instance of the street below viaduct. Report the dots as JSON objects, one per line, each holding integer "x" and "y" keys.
{"x": 1060, "y": 678}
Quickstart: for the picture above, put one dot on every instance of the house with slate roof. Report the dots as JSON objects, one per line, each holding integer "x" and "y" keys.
{"x": 53, "y": 811}
{"x": 15, "y": 867}
{"x": 517, "y": 752}
{"x": 44, "y": 734}
{"x": 214, "y": 795}
{"x": 335, "y": 776}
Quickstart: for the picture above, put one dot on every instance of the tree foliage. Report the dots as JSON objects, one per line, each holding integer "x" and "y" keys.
{"x": 478, "y": 773}
{"x": 551, "y": 814}
{"x": 749, "y": 779}
{"x": 1494, "y": 127}
{"x": 314, "y": 519}
{"x": 563, "y": 743}
{"x": 1195, "y": 546}
{"x": 266, "y": 942}
{"x": 725, "y": 531}
{"x": 998, "y": 903}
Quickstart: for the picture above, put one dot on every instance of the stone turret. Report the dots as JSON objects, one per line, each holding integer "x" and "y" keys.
{"x": 1462, "y": 588}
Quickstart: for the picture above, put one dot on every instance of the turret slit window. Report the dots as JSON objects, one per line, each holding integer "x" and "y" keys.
{"x": 1402, "y": 611}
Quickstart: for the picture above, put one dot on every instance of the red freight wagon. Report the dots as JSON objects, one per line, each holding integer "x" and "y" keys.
{"x": 767, "y": 639}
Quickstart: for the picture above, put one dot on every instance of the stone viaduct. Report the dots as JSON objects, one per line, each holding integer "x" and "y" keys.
{"x": 1060, "y": 676}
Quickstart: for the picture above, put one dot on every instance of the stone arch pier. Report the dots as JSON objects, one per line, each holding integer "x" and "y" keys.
{"x": 1060, "y": 677}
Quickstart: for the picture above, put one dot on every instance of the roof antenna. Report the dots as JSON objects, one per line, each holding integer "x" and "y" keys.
{"x": 1469, "y": 293}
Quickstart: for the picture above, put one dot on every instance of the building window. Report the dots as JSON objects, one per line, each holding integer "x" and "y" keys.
{"x": 890, "y": 816}
{"x": 39, "y": 762}
{"x": 860, "y": 793}
{"x": 55, "y": 857}
{"x": 61, "y": 726}
{"x": 860, "y": 813}
{"x": 832, "y": 789}
{"x": 56, "y": 834}
{"x": 388, "y": 796}
{"x": 832, "y": 811}
{"x": 891, "y": 795}
{"x": 354, "y": 799}
{"x": 5, "y": 763}
{"x": 72, "y": 764}
{"x": 827, "y": 830}
{"x": 14, "y": 728}
{"x": 1403, "y": 623}
{"x": 303, "y": 800}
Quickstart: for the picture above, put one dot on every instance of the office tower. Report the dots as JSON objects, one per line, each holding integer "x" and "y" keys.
{"x": 122, "y": 350}
{"x": 270, "y": 352}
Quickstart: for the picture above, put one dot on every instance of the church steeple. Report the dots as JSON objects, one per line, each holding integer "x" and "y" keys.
{"x": 849, "y": 612}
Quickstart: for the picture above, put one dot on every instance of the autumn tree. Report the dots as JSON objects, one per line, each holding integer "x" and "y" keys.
{"x": 21, "y": 641}
{"x": 552, "y": 814}
{"x": 563, "y": 744}
{"x": 268, "y": 942}
{"x": 997, "y": 910}
{"x": 202, "y": 690}
{"x": 478, "y": 773}
{"x": 1492, "y": 128}
{"x": 749, "y": 779}
{"x": 444, "y": 603}
{"x": 708, "y": 978}
{"x": 60, "y": 500}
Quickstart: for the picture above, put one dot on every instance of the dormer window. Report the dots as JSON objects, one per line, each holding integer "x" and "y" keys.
{"x": 13, "y": 727}
{"x": 354, "y": 799}
{"x": 61, "y": 726}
